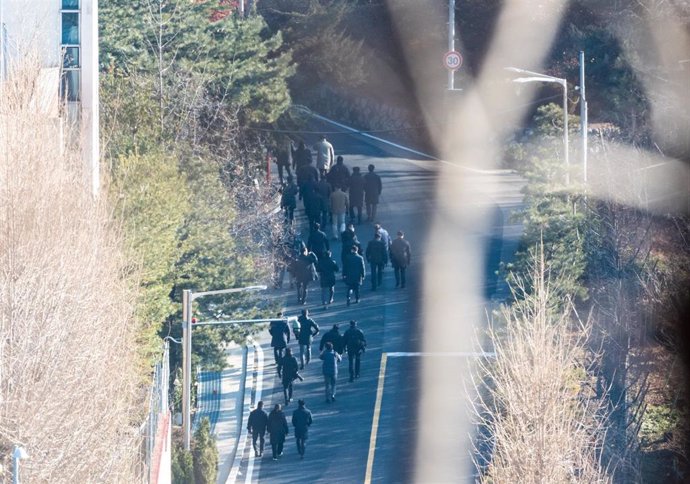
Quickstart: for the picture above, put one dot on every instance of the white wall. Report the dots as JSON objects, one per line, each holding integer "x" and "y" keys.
{"x": 33, "y": 26}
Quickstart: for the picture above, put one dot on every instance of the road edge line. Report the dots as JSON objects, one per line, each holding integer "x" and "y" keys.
{"x": 246, "y": 406}
{"x": 257, "y": 397}
{"x": 375, "y": 421}
{"x": 404, "y": 148}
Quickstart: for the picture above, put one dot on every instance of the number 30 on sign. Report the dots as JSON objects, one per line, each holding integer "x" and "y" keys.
{"x": 452, "y": 60}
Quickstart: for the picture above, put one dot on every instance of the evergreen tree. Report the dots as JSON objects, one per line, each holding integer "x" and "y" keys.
{"x": 205, "y": 454}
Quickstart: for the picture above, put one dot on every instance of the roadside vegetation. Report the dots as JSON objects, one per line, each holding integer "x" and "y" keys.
{"x": 70, "y": 391}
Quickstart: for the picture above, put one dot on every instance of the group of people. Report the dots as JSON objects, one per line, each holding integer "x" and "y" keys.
{"x": 329, "y": 193}
{"x": 331, "y": 348}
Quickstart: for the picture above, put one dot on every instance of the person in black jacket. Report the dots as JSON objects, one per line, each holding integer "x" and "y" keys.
{"x": 372, "y": 192}
{"x": 256, "y": 424}
{"x": 355, "y": 343}
{"x": 400, "y": 258}
{"x": 353, "y": 273}
{"x": 334, "y": 337}
{"x": 277, "y": 429}
{"x": 339, "y": 174}
{"x": 377, "y": 256}
{"x": 304, "y": 272}
{"x": 301, "y": 420}
{"x": 290, "y": 374}
{"x": 348, "y": 238}
{"x": 356, "y": 194}
{"x": 318, "y": 241}
{"x": 280, "y": 337}
{"x": 301, "y": 156}
{"x": 327, "y": 267}
{"x": 307, "y": 330}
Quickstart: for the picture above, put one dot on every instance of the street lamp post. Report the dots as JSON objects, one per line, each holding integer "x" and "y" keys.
{"x": 188, "y": 297}
{"x": 537, "y": 77}
{"x": 17, "y": 454}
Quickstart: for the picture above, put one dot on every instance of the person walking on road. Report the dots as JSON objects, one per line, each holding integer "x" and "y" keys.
{"x": 355, "y": 343}
{"x": 327, "y": 267}
{"x": 288, "y": 200}
{"x": 400, "y": 258}
{"x": 339, "y": 176}
{"x": 325, "y": 155}
{"x": 282, "y": 158}
{"x": 308, "y": 329}
{"x": 377, "y": 256}
{"x": 280, "y": 337}
{"x": 323, "y": 188}
{"x": 333, "y": 337}
{"x": 290, "y": 374}
{"x": 330, "y": 370}
{"x": 356, "y": 194}
{"x": 339, "y": 204}
{"x": 353, "y": 273}
{"x": 305, "y": 272}
{"x": 317, "y": 242}
{"x": 256, "y": 425}
{"x": 385, "y": 237}
{"x": 301, "y": 156}
{"x": 301, "y": 420}
{"x": 372, "y": 192}
{"x": 348, "y": 238}
{"x": 277, "y": 429}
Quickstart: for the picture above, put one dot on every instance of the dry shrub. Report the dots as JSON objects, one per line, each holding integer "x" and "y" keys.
{"x": 67, "y": 388}
{"x": 542, "y": 425}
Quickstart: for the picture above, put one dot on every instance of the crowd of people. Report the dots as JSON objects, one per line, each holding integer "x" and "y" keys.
{"x": 335, "y": 197}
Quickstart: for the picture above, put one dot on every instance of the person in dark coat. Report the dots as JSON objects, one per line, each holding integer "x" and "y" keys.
{"x": 256, "y": 425}
{"x": 356, "y": 194}
{"x": 308, "y": 329}
{"x": 277, "y": 429}
{"x": 400, "y": 258}
{"x": 339, "y": 175}
{"x": 290, "y": 374}
{"x": 333, "y": 337}
{"x": 372, "y": 192}
{"x": 377, "y": 256}
{"x": 348, "y": 239}
{"x": 305, "y": 272}
{"x": 355, "y": 343}
{"x": 327, "y": 267}
{"x": 280, "y": 337}
{"x": 301, "y": 156}
{"x": 353, "y": 273}
{"x": 323, "y": 188}
{"x": 288, "y": 200}
{"x": 301, "y": 420}
{"x": 312, "y": 202}
{"x": 330, "y": 370}
{"x": 317, "y": 242}
{"x": 282, "y": 158}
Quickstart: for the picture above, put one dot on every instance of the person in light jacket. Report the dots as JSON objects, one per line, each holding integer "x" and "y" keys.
{"x": 330, "y": 370}
{"x": 339, "y": 204}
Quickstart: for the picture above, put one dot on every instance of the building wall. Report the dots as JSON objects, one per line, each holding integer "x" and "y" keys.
{"x": 36, "y": 27}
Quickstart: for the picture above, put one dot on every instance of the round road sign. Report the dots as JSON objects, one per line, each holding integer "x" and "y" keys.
{"x": 452, "y": 60}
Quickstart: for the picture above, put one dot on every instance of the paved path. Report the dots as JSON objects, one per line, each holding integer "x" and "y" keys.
{"x": 384, "y": 402}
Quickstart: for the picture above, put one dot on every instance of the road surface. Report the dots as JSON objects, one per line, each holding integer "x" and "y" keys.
{"x": 383, "y": 403}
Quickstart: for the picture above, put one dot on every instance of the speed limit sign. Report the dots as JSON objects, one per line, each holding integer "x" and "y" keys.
{"x": 452, "y": 60}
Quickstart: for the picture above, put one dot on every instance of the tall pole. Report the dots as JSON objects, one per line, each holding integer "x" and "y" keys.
{"x": 565, "y": 131}
{"x": 583, "y": 117}
{"x": 186, "y": 366}
{"x": 451, "y": 41}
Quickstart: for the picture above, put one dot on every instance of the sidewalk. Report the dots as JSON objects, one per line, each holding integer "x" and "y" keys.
{"x": 221, "y": 400}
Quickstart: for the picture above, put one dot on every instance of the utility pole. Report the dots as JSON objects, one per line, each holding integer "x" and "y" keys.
{"x": 451, "y": 41}
{"x": 583, "y": 117}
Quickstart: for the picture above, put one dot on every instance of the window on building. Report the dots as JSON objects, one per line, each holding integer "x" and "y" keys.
{"x": 70, "y": 83}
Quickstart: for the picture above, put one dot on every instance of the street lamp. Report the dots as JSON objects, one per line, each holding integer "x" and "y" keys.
{"x": 188, "y": 297}
{"x": 18, "y": 454}
{"x": 537, "y": 77}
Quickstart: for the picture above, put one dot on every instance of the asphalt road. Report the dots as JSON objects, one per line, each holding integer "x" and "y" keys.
{"x": 339, "y": 447}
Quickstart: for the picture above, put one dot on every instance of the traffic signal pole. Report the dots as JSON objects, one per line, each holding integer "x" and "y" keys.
{"x": 188, "y": 298}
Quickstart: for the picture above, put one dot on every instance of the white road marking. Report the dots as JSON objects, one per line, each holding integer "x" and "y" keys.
{"x": 257, "y": 398}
